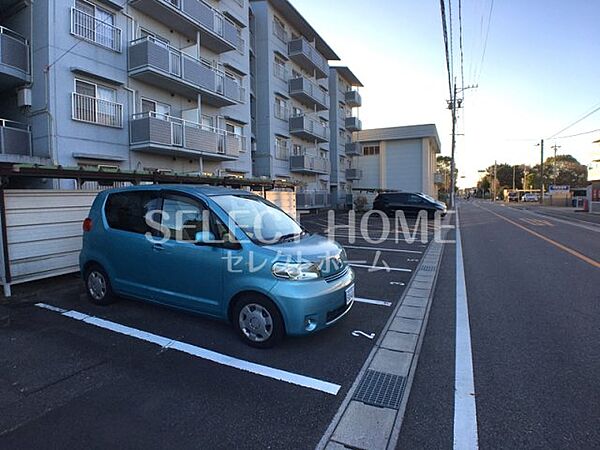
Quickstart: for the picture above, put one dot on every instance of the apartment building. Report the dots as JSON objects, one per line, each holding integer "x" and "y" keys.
{"x": 290, "y": 100}
{"x": 344, "y": 150}
{"x": 156, "y": 85}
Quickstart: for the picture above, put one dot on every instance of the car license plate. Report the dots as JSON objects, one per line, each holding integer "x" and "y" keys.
{"x": 350, "y": 295}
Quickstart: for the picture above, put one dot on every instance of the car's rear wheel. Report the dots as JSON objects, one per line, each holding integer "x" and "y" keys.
{"x": 258, "y": 321}
{"x": 97, "y": 286}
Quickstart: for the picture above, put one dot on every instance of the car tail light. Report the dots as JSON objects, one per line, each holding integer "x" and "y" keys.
{"x": 87, "y": 224}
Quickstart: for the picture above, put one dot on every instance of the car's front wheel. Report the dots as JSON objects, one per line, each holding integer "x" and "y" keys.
{"x": 258, "y": 321}
{"x": 97, "y": 286}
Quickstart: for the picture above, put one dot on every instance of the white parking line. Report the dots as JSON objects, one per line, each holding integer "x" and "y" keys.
{"x": 372, "y": 302}
{"x": 377, "y": 268}
{"x": 360, "y": 247}
{"x": 209, "y": 355}
{"x": 375, "y": 238}
{"x": 465, "y": 412}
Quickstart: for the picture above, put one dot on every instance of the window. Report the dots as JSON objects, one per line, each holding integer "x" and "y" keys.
{"x": 161, "y": 109}
{"x": 296, "y": 112}
{"x": 370, "y": 150}
{"x": 279, "y": 29}
{"x": 237, "y": 131}
{"x": 281, "y": 148}
{"x": 297, "y": 150}
{"x": 296, "y": 74}
{"x": 208, "y": 122}
{"x": 96, "y": 104}
{"x": 95, "y": 24}
{"x": 281, "y": 108}
{"x": 279, "y": 69}
{"x": 184, "y": 217}
{"x": 127, "y": 211}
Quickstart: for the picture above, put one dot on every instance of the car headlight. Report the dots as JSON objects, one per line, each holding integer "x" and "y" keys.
{"x": 296, "y": 271}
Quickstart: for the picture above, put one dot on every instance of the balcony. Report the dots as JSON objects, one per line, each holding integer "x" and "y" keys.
{"x": 353, "y": 99}
{"x": 217, "y": 33}
{"x": 96, "y": 111}
{"x": 306, "y": 56}
{"x": 166, "y": 67}
{"x": 308, "y": 93}
{"x": 94, "y": 30}
{"x": 312, "y": 199}
{"x": 353, "y": 124}
{"x": 309, "y": 129}
{"x": 352, "y": 149}
{"x": 15, "y": 138}
{"x": 14, "y": 59}
{"x": 309, "y": 164}
{"x": 353, "y": 174}
{"x": 156, "y": 133}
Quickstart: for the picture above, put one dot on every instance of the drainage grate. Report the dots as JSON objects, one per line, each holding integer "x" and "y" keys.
{"x": 380, "y": 389}
{"x": 428, "y": 268}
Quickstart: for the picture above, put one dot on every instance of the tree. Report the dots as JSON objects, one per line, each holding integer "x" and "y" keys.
{"x": 444, "y": 164}
{"x": 569, "y": 172}
{"x": 504, "y": 174}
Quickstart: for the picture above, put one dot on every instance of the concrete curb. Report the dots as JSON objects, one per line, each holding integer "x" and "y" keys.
{"x": 358, "y": 425}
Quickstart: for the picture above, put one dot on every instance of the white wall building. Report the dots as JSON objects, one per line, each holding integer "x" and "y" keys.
{"x": 399, "y": 158}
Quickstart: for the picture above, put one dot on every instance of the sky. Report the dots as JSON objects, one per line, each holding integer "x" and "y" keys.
{"x": 540, "y": 72}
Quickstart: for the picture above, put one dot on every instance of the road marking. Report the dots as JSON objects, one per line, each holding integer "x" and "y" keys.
{"x": 378, "y": 238}
{"x": 360, "y": 247}
{"x": 537, "y": 222}
{"x": 465, "y": 412}
{"x": 372, "y": 302}
{"x": 209, "y": 355}
{"x": 377, "y": 268}
{"x": 574, "y": 222}
{"x": 358, "y": 333}
{"x": 569, "y": 250}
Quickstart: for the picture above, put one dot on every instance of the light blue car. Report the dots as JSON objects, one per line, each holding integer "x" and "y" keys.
{"x": 221, "y": 252}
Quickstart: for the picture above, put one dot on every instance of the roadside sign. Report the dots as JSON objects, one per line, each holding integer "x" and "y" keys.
{"x": 559, "y": 188}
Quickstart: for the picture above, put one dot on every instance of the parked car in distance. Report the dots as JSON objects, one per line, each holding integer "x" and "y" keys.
{"x": 411, "y": 203}
{"x": 220, "y": 252}
{"x": 530, "y": 198}
{"x": 512, "y": 197}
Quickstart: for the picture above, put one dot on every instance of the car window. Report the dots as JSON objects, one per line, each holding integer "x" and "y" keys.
{"x": 413, "y": 199}
{"x": 127, "y": 210}
{"x": 184, "y": 217}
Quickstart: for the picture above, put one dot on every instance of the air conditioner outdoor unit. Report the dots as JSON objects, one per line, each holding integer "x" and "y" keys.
{"x": 24, "y": 97}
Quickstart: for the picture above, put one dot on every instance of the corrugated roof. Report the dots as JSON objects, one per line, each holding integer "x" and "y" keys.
{"x": 348, "y": 75}
{"x": 301, "y": 24}
{"x": 400, "y": 133}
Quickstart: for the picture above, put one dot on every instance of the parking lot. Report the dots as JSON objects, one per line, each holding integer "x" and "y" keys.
{"x": 147, "y": 376}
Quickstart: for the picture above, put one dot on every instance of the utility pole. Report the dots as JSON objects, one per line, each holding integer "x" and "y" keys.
{"x": 555, "y": 147}
{"x": 452, "y": 162}
{"x": 514, "y": 167}
{"x": 542, "y": 171}
{"x": 495, "y": 178}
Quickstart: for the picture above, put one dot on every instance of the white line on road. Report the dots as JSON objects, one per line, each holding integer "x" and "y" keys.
{"x": 209, "y": 355}
{"x": 377, "y": 268}
{"x": 465, "y": 412}
{"x": 372, "y": 302}
{"x": 383, "y": 249}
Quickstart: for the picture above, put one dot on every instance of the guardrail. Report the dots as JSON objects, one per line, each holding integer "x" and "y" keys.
{"x": 91, "y": 29}
{"x": 97, "y": 111}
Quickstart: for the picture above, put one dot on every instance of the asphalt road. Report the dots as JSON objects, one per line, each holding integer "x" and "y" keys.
{"x": 533, "y": 287}
{"x": 65, "y": 383}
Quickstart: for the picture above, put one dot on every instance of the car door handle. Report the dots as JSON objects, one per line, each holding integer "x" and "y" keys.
{"x": 157, "y": 247}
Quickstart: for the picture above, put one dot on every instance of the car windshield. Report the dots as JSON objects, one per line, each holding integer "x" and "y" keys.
{"x": 259, "y": 220}
{"x": 427, "y": 197}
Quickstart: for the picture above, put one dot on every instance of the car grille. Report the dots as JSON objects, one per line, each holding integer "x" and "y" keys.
{"x": 337, "y": 275}
{"x": 336, "y": 313}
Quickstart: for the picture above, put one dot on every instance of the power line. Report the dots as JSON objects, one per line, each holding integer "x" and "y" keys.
{"x": 487, "y": 34}
{"x": 451, "y": 39}
{"x": 585, "y": 116}
{"x": 445, "y": 35}
{"x": 462, "y": 59}
{"x": 578, "y": 134}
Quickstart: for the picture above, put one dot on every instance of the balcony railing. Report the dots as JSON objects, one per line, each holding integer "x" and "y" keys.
{"x": 307, "y": 163}
{"x": 306, "y": 56}
{"x": 353, "y": 174}
{"x": 309, "y": 129}
{"x": 217, "y": 32}
{"x": 353, "y": 149}
{"x": 309, "y": 93}
{"x": 280, "y": 32}
{"x": 94, "y": 30}
{"x": 281, "y": 111}
{"x": 166, "y": 134}
{"x": 97, "y": 111}
{"x": 15, "y": 138}
{"x": 353, "y": 124}
{"x": 14, "y": 57}
{"x": 152, "y": 60}
{"x": 312, "y": 199}
{"x": 280, "y": 72}
{"x": 352, "y": 98}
